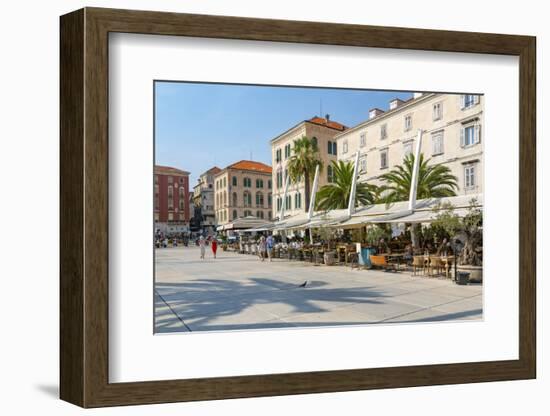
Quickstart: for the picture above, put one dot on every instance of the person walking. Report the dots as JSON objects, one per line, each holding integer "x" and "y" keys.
{"x": 202, "y": 245}
{"x": 214, "y": 246}
{"x": 262, "y": 248}
{"x": 269, "y": 246}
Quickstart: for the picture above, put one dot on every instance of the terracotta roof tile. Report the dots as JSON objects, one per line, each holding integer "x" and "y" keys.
{"x": 251, "y": 165}
{"x": 323, "y": 122}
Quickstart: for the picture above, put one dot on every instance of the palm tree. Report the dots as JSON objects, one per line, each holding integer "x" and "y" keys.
{"x": 434, "y": 181}
{"x": 305, "y": 158}
{"x": 336, "y": 195}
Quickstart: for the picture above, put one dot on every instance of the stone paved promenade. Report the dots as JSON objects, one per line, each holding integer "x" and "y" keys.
{"x": 237, "y": 291}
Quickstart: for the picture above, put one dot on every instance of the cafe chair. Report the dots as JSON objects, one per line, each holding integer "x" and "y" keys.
{"x": 418, "y": 263}
{"x": 436, "y": 265}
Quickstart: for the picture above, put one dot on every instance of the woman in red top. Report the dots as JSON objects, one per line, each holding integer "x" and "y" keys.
{"x": 214, "y": 246}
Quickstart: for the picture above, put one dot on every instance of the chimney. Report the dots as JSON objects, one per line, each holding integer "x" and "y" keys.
{"x": 374, "y": 112}
{"x": 396, "y": 102}
{"x": 327, "y": 117}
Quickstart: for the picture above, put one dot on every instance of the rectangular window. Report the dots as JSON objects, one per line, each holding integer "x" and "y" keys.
{"x": 407, "y": 148}
{"x": 329, "y": 147}
{"x": 384, "y": 159}
{"x": 383, "y": 131}
{"x": 469, "y": 177}
{"x": 334, "y": 152}
{"x": 181, "y": 199}
{"x": 470, "y": 135}
{"x": 234, "y": 181}
{"x": 408, "y": 123}
{"x": 363, "y": 165}
{"x": 437, "y": 143}
{"x": 170, "y": 197}
{"x": 363, "y": 140}
{"x": 469, "y": 100}
{"x": 345, "y": 146}
{"x": 437, "y": 113}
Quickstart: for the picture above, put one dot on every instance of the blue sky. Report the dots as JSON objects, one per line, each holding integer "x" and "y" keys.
{"x": 198, "y": 125}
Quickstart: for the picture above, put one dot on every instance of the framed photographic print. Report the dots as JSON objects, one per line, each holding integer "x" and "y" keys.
{"x": 255, "y": 207}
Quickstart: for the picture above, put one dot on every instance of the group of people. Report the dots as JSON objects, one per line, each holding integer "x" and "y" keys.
{"x": 203, "y": 242}
{"x": 265, "y": 247}
{"x": 163, "y": 240}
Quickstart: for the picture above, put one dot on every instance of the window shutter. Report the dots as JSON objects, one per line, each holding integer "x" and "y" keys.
{"x": 477, "y": 137}
{"x": 462, "y": 136}
{"x": 462, "y": 101}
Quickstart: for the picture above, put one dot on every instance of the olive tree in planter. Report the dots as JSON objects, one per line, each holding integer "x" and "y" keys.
{"x": 375, "y": 233}
{"x": 224, "y": 242}
{"x": 326, "y": 234}
{"x": 468, "y": 230}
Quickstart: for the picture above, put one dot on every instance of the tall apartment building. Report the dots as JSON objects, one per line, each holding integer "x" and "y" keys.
{"x": 243, "y": 189}
{"x": 171, "y": 199}
{"x": 320, "y": 130}
{"x": 203, "y": 199}
{"x": 452, "y": 128}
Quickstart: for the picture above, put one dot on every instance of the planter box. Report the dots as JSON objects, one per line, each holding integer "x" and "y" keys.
{"x": 330, "y": 258}
{"x": 476, "y": 272}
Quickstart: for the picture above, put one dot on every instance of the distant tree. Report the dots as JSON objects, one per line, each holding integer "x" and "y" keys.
{"x": 336, "y": 195}
{"x": 434, "y": 181}
{"x": 305, "y": 158}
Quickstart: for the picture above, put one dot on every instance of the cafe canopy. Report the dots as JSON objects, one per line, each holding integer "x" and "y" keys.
{"x": 244, "y": 223}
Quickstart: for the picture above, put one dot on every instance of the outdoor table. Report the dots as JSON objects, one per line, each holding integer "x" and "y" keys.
{"x": 397, "y": 256}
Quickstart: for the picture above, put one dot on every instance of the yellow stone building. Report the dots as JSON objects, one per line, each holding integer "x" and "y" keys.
{"x": 243, "y": 189}
{"x": 323, "y": 132}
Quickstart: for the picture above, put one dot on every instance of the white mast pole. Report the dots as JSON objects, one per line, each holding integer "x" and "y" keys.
{"x": 351, "y": 204}
{"x": 312, "y": 200}
{"x": 416, "y": 168}
{"x": 313, "y": 193}
{"x": 283, "y": 205}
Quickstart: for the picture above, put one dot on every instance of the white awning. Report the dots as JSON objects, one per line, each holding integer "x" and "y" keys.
{"x": 417, "y": 216}
{"x": 244, "y": 224}
{"x": 398, "y": 212}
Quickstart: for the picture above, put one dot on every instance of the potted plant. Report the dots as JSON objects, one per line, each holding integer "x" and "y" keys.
{"x": 224, "y": 242}
{"x": 467, "y": 236}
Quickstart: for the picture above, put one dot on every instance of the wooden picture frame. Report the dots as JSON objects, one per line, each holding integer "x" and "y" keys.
{"x": 84, "y": 207}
